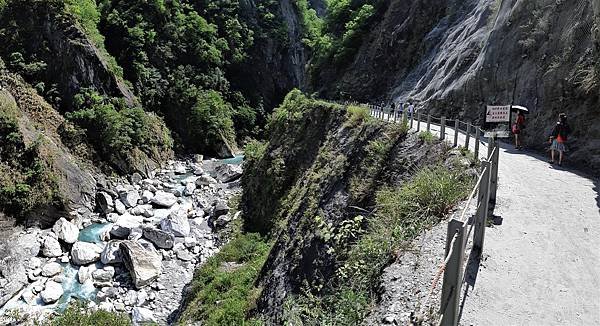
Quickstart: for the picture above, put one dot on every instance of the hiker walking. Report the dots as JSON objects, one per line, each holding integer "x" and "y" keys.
{"x": 517, "y": 129}
{"x": 558, "y": 138}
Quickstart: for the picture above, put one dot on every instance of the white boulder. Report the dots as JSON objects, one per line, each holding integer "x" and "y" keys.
{"x": 52, "y": 292}
{"x": 176, "y": 223}
{"x": 164, "y": 199}
{"x": 83, "y": 253}
{"x": 66, "y": 231}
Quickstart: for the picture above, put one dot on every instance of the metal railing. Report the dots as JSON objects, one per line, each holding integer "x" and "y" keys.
{"x": 459, "y": 229}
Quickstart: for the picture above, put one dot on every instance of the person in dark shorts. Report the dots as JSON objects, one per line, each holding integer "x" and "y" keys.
{"x": 517, "y": 130}
{"x": 560, "y": 134}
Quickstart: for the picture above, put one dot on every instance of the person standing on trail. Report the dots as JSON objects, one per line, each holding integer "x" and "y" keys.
{"x": 559, "y": 136}
{"x": 411, "y": 109}
{"x": 517, "y": 130}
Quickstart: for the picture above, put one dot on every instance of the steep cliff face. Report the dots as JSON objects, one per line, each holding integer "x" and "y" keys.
{"x": 455, "y": 57}
{"x": 320, "y": 170}
{"x": 42, "y": 33}
{"x": 277, "y": 61}
{"x": 57, "y": 182}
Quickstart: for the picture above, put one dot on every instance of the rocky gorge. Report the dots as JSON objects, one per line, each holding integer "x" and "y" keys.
{"x": 134, "y": 254}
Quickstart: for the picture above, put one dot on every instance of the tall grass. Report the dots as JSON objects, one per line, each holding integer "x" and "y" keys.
{"x": 401, "y": 214}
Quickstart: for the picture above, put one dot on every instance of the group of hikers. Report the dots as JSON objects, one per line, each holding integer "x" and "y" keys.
{"x": 558, "y": 136}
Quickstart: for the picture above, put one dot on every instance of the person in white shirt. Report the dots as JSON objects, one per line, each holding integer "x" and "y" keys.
{"x": 411, "y": 108}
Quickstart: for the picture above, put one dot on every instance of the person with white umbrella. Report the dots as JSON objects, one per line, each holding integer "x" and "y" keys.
{"x": 519, "y": 125}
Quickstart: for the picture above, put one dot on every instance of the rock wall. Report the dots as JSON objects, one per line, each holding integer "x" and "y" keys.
{"x": 455, "y": 57}
{"x": 39, "y": 122}
{"x": 278, "y": 60}
{"x": 42, "y": 30}
{"x": 319, "y": 165}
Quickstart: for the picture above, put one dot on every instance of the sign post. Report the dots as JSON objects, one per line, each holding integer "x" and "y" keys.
{"x": 499, "y": 117}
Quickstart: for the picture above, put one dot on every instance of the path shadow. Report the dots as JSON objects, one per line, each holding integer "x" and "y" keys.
{"x": 470, "y": 278}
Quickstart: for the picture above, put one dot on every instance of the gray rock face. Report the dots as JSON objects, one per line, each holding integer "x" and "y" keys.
{"x": 51, "y": 247}
{"x": 120, "y": 207}
{"x": 130, "y": 198}
{"x": 66, "y": 231}
{"x": 83, "y": 253}
{"x": 164, "y": 199}
{"x": 159, "y": 238}
{"x": 52, "y": 292}
{"x": 103, "y": 275}
{"x": 228, "y": 172}
{"x": 141, "y": 316}
{"x": 112, "y": 253}
{"x": 104, "y": 202}
{"x": 176, "y": 223}
{"x": 144, "y": 265}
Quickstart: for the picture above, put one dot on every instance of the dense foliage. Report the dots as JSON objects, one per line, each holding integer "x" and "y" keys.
{"x": 179, "y": 54}
{"x": 335, "y": 38}
{"x": 116, "y": 130}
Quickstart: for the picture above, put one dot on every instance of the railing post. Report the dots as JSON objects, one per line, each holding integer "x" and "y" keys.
{"x": 468, "y": 138}
{"x": 418, "y": 121}
{"x": 452, "y": 274}
{"x": 494, "y": 177}
{"x": 428, "y": 122}
{"x": 395, "y": 115}
{"x": 477, "y": 141}
{"x": 443, "y": 129}
{"x": 483, "y": 199}
{"x": 390, "y": 112}
{"x": 412, "y": 119}
{"x": 456, "y": 126}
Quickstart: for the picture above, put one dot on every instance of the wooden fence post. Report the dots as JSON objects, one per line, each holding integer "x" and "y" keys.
{"x": 494, "y": 177}
{"x": 468, "y": 138}
{"x": 418, "y": 121}
{"x": 443, "y": 129}
{"x": 456, "y": 128}
{"x": 428, "y": 122}
{"x": 452, "y": 274}
{"x": 483, "y": 199}
{"x": 412, "y": 119}
{"x": 477, "y": 141}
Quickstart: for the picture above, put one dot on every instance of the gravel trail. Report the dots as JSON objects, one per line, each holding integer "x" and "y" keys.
{"x": 541, "y": 265}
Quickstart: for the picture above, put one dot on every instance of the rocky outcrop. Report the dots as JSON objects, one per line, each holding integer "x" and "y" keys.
{"x": 39, "y": 124}
{"x": 332, "y": 172}
{"x": 455, "y": 57}
{"x": 46, "y": 31}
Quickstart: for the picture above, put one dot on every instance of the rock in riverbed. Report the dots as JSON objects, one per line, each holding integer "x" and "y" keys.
{"x": 66, "y": 231}
{"x": 84, "y": 253}
{"x": 144, "y": 265}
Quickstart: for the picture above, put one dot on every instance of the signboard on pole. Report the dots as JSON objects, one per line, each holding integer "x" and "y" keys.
{"x": 497, "y": 113}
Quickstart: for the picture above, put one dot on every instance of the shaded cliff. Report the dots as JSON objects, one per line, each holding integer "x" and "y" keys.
{"x": 455, "y": 57}
{"x": 44, "y": 43}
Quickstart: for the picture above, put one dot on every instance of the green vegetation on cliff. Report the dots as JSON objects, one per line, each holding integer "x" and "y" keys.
{"x": 117, "y": 131}
{"x": 25, "y": 180}
{"x": 179, "y": 56}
